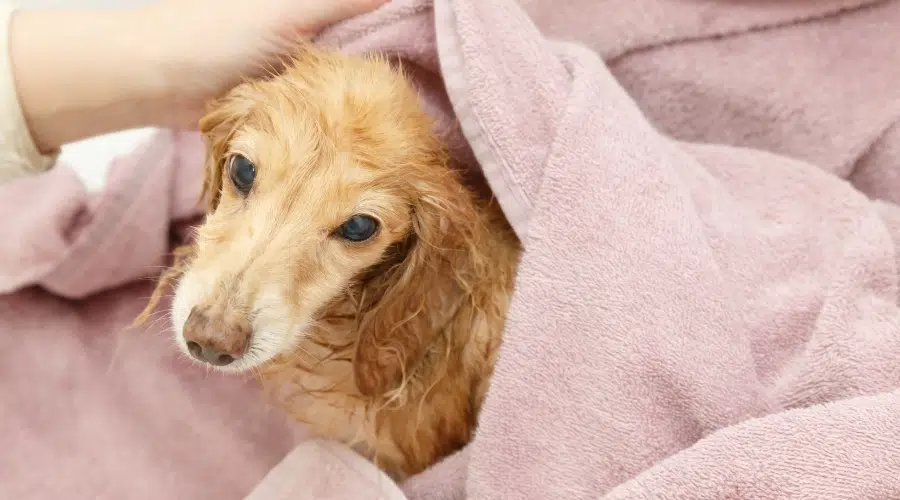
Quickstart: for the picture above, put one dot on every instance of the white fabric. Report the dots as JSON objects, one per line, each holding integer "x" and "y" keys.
{"x": 18, "y": 154}
{"x": 91, "y": 158}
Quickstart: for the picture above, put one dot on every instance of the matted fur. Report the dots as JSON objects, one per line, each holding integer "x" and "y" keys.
{"x": 387, "y": 345}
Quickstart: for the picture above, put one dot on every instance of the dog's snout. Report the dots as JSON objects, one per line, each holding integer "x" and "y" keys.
{"x": 216, "y": 339}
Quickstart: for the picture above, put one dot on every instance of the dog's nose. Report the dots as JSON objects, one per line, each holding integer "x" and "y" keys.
{"x": 205, "y": 352}
{"x": 216, "y": 339}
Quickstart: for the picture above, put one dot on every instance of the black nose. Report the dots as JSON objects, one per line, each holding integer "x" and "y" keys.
{"x": 209, "y": 354}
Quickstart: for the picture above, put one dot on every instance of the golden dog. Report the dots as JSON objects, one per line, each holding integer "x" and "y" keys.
{"x": 344, "y": 261}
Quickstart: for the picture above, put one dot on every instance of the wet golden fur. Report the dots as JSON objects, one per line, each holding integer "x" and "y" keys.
{"x": 388, "y": 344}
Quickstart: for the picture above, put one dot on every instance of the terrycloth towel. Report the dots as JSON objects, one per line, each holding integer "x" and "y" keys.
{"x": 326, "y": 470}
{"x": 89, "y": 408}
{"x": 708, "y": 302}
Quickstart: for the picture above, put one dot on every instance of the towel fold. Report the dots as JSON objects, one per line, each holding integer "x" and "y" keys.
{"x": 706, "y": 308}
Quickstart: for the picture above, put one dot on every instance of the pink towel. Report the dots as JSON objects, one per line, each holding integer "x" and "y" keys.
{"x": 319, "y": 469}
{"x": 90, "y": 408}
{"x": 708, "y": 302}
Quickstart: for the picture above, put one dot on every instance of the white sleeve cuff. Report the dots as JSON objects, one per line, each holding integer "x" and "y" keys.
{"x": 19, "y": 156}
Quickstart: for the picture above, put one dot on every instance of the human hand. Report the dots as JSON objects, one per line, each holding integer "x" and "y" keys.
{"x": 208, "y": 46}
{"x": 82, "y": 72}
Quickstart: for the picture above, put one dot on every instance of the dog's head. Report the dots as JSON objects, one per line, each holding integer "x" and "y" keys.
{"x": 323, "y": 181}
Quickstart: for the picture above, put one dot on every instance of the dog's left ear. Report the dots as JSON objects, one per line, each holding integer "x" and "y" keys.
{"x": 415, "y": 298}
{"x": 218, "y": 127}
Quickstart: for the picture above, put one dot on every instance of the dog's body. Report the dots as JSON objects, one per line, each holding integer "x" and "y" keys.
{"x": 344, "y": 261}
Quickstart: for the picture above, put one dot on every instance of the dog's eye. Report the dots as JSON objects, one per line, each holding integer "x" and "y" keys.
{"x": 242, "y": 172}
{"x": 358, "y": 228}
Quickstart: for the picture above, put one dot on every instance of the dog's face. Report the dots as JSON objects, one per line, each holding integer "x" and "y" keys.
{"x": 315, "y": 178}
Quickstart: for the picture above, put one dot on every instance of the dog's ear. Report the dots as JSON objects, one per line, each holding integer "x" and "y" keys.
{"x": 415, "y": 298}
{"x": 218, "y": 126}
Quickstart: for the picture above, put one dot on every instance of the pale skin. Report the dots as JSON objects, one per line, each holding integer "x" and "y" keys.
{"x": 84, "y": 72}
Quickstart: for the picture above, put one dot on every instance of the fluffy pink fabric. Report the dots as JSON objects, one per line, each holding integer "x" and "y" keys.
{"x": 707, "y": 306}
{"x": 90, "y": 408}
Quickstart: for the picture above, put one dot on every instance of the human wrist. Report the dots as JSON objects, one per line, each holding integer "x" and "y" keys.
{"x": 80, "y": 73}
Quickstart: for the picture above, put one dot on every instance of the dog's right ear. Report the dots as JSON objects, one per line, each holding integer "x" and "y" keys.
{"x": 218, "y": 126}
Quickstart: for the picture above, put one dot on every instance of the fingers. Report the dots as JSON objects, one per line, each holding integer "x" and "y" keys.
{"x": 321, "y": 13}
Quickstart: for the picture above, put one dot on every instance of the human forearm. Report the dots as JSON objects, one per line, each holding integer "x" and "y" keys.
{"x": 80, "y": 73}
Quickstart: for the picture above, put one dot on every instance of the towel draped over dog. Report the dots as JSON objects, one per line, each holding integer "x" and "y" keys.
{"x": 707, "y": 306}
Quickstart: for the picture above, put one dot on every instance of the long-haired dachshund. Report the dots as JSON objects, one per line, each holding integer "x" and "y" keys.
{"x": 345, "y": 262}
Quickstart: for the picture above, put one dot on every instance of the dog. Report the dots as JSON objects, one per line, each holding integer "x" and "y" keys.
{"x": 345, "y": 262}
